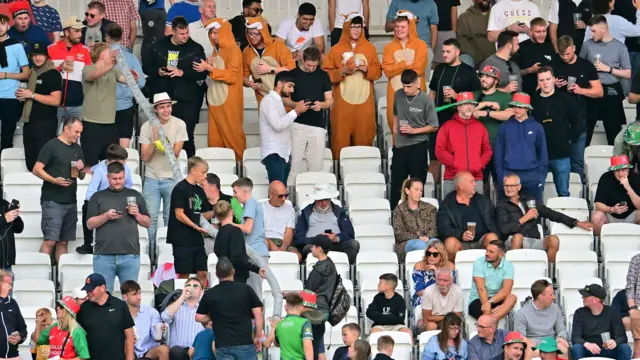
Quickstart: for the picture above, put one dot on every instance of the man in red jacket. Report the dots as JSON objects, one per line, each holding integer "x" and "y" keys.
{"x": 463, "y": 144}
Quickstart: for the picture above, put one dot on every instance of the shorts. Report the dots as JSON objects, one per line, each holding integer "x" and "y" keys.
{"x": 59, "y": 221}
{"x": 475, "y": 308}
{"x": 390, "y": 327}
{"x": 528, "y": 243}
{"x": 124, "y": 122}
{"x": 95, "y": 140}
{"x": 635, "y": 325}
{"x": 432, "y": 145}
{"x": 631, "y": 219}
{"x": 189, "y": 260}
{"x": 442, "y": 37}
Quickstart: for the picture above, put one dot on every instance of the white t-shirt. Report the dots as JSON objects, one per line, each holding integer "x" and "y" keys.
{"x": 507, "y": 12}
{"x": 278, "y": 219}
{"x": 296, "y": 39}
{"x": 441, "y": 305}
{"x": 346, "y": 7}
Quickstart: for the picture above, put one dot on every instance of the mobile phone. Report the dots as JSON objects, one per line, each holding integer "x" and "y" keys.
{"x": 257, "y": 81}
{"x": 197, "y": 59}
{"x": 328, "y": 231}
{"x": 15, "y": 333}
{"x": 14, "y": 205}
{"x": 623, "y": 203}
{"x": 165, "y": 69}
{"x": 118, "y": 212}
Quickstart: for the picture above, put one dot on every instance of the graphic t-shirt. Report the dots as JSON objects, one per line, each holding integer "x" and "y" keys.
{"x": 290, "y": 334}
{"x": 193, "y": 200}
{"x": 507, "y": 12}
{"x": 47, "y": 18}
{"x": 76, "y": 345}
{"x": 297, "y": 39}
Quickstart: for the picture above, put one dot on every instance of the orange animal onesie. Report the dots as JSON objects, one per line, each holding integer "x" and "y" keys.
{"x": 275, "y": 53}
{"x": 224, "y": 95}
{"x": 353, "y": 120}
{"x": 394, "y": 59}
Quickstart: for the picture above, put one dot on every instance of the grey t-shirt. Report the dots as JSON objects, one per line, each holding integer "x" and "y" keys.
{"x": 116, "y": 237}
{"x": 507, "y": 68}
{"x": 419, "y": 111}
{"x": 612, "y": 53}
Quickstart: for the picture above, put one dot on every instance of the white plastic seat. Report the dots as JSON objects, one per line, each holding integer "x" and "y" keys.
{"x": 410, "y": 260}
{"x": 373, "y": 264}
{"x": 74, "y": 267}
{"x": 133, "y": 160}
{"x": 423, "y": 339}
{"x": 212, "y": 261}
{"x": 620, "y": 237}
{"x": 306, "y": 181}
{"x": 464, "y": 271}
{"x": 574, "y": 207}
{"x": 370, "y": 212}
{"x": 284, "y": 265}
{"x": 12, "y": 160}
{"x": 200, "y": 135}
{"x": 529, "y": 261}
{"x": 81, "y": 192}
{"x": 403, "y": 348}
{"x": 375, "y": 237}
{"x": 570, "y": 297}
{"x": 286, "y": 286}
{"x": 576, "y": 263}
{"x": 34, "y": 292}
{"x": 24, "y": 187}
{"x": 164, "y": 249}
{"x": 340, "y": 260}
{"x": 32, "y": 265}
{"x": 575, "y": 187}
{"x": 573, "y": 239}
{"x": 182, "y": 162}
{"x": 260, "y": 187}
{"x": 252, "y": 163}
{"x": 137, "y": 182}
{"x": 359, "y": 159}
{"x": 432, "y": 201}
{"x": 146, "y": 291}
{"x": 616, "y": 265}
{"x": 226, "y": 180}
{"x": 223, "y": 160}
{"x": 30, "y": 240}
{"x": 161, "y": 235}
{"x": 327, "y": 162}
{"x": 596, "y": 162}
{"x": 359, "y": 185}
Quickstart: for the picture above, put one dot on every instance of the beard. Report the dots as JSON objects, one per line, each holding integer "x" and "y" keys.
{"x": 483, "y": 5}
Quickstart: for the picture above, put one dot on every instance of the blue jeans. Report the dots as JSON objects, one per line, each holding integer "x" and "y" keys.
{"x": 125, "y": 267}
{"x": 531, "y": 180}
{"x": 153, "y": 191}
{"x": 68, "y": 110}
{"x": 415, "y": 244}
{"x": 621, "y": 352}
{"x": 576, "y": 155}
{"x": 242, "y": 352}
{"x": 277, "y": 168}
{"x": 561, "y": 168}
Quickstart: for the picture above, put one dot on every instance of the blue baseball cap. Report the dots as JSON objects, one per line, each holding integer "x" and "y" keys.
{"x": 93, "y": 281}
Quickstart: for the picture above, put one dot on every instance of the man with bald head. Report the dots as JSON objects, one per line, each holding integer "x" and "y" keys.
{"x": 488, "y": 342}
{"x": 279, "y": 220}
{"x": 466, "y": 220}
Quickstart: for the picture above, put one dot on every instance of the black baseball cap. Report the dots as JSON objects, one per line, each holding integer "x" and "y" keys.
{"x": 594, "y": 290}
{"x": 322, "y": 241}
{"x": 93, "y": 281}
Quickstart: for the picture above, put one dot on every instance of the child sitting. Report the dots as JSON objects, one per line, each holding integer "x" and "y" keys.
{"x": 387, "y": 310}
{"x": 350, "y": 333}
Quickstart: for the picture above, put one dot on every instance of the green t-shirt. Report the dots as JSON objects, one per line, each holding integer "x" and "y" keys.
{"x": 503, "y": 99}
{"x": 78, "y": 339}
{"x": 290, "y": 333}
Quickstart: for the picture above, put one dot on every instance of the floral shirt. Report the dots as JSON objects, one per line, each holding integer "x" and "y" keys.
{"x": 422, "y": 279}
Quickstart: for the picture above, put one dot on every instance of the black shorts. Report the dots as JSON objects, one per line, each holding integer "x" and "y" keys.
{"x": 475, "y": 308}
{"x": 432, "y": 145}
{"x": 95, "y": 140}
{"x": 189, "y": 260}
{"x": 124, "y": 122}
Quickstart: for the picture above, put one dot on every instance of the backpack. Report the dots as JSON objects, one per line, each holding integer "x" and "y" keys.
{"x": 340, "y": 303}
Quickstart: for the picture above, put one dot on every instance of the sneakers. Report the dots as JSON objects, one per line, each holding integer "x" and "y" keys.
{"x": 84, "y": 249}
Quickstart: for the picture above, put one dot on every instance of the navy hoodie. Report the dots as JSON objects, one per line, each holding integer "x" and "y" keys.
{"x": 12, "y": 320}
{"x": 521, "y": 146}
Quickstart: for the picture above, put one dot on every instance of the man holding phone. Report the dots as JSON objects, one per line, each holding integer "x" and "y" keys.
{"x": 617, "y": 197}
{"x": 513, "y": 15}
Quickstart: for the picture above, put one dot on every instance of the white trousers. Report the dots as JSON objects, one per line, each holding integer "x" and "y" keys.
{"x": 307, "y": 150}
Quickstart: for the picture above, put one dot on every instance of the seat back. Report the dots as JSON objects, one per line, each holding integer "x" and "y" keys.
{"x": 12, "y": 160}
{"x": 364, "y": 185}
{"x": 529, "y": 261}
{"x": 375, "y": 237}
{"x": 284, "y": 265}
{"x": 402, "y": 349}
{"x": 32, "y": 265}
{"x": 576, "y": 263}
{"x": 221, "y": 159}
{"x": 370, "y": 211}
{"x": 359, "y": 159}
{"x": 573, "y": 239}
{"x": 74, "y": 268}
{"x": 620, "y": 237}
{"x": 34, "y": 292}
{"x": 373, "y": 264}
{"x": 340, "y": 260}
{"x": 133, "y": 160}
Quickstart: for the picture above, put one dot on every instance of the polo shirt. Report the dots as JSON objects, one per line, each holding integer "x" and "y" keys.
{"x": 480, "y": 349}
{"x": 105, "y": 325}
{"x": 493, "y": 277}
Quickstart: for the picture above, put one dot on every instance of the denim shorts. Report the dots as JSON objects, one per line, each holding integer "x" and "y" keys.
{"x": 59, "y": 221}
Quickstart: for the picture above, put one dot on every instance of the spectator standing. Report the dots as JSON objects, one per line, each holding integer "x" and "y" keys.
{"x": 611, "y": 60}
{"x": 11, "y": 318}
{"x": 512, "y": 15}
{"x": 302, "y": 31}
{"x": 619, "y": 27}
{"x": 171, "y": 69}
{"x": 492, "y": 284}
{"x": 188, "y": 203}
{"x": 556, "y": 111}
{"x": 633, "y": 298}
{"x": 488, "y": 343}
{"x": 70, "y": 56}
{"x": 180, "y": 316}
{"x": 447, "y": 26}
{"x": 48, "y": 18}
{"x": 339, "y": 13}
{"x": 145, "y": 317}
{"x": 188, "y": 9}
{"x": 458, "y": 149}
{"x": 323, "y": 215}
{"x": 125, "y": 14}
{"x": 153, "y": 17}
{"x": 58, "y": 194}
{"x": 279, "y": 220}
{"x": 562, "y": 22}
{"x": 14, "y": 67}
{"x": 95, "y": 30}
{"x": 449, "y": 342}
{"x": 293, "y": 333}
{"x": 388, "y": 309}
{"x": 309, "y": 129}
{"x": 158, "y": 177}
{"x": 350, "y": 333}
{"x": 521, "y": 148}
{"x": 426, "y": 29}
{"x": 65, "y": 338}
{"x": 232, "y": 306}
{"x": 211, "y": 187}
{"x": 107, "y": 321}
{"x": 533, "y": 54}
{"x": 41, "y": 99}
{"x": 117, "y": 250}
{"x": 439, "y": 300}
{"x": 197, "y": 29}
{"x": 353, "y": 85}
{"x": 472, "y": 33}
{"x": 514, "y": 347}
{"x": 507, "y": 44}
{"x": 414, "y": 221}
{"x": 23, "y": 29}
{"x": 411, "y": 126}
{"x": 250, "y": 9}
{"x": 125, "y": 111}
{"x": 463, "y": 208}
{"x": 591, "y": 321}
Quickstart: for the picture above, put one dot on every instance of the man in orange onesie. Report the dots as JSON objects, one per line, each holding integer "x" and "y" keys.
{"x": 224, "y": 95}
{"x": 263, "y": 58}
{"x": 353, "y": 66}
{"x": 405, "y": 51}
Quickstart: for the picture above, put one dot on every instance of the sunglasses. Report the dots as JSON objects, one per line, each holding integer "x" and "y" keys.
{"x": 432, "y": 254}
{"x": 195, "y": 286}
{"x": 89, "y": 15}
{"x": 509, "y": 67}
{"x": 281, "y": 196}
{"x": 258, "y": 10}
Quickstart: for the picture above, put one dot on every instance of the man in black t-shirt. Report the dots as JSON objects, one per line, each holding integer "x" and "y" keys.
{"x": 188, "y": 202}
{"x": 617, "y": 197}
{"x": 533, "y": 54}
{"x": 309, "y": 129}
{"x": 211, "y": 187}
{"x": 447, "y": 10}
{"x": 231, "y": 305}
{"x": 59, "y": 164}
{"x": 250, "y": 8}
{"x": 41, "y": 99}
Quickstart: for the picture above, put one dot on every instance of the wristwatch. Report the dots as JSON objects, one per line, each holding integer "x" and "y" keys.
{"x": 610, "y": 70}
{"x": 633, "y": 307}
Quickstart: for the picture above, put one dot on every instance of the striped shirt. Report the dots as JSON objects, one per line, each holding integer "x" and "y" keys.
{"x": 612, "y": 53}
{"x": 183, "y": 327}
{"x": 633, "y": 280}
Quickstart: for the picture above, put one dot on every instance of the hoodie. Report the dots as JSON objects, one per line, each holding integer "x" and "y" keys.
{"x": 302, "y": 226}
{"x": 275, "y": 53}
{"x": 463, "y": 145}
{"x": 8, "y": 242}
{"x": 521, "y": 146}
{"x": 472, "y": 34}
{"x": 12, "y": 320}
{"x": 322, "y": 281}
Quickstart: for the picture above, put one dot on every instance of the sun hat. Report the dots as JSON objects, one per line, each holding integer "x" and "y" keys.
{"x": 323, "y": 192}
{"x": 466, "y": 98}
{"x": 514, "y": 337}
{"x": 309, "y": 299}
{"x": 619, "y": 162}
{"x": 162, "y": 98}
{"x": 73, "y": 22}
{"x": 68, "y": 303}
{"x": 632, "y": 134}
{"x": 490, "y": 70}
{"x": 522, "y": 100}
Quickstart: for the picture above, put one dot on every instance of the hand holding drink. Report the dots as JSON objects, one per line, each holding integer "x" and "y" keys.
{"x": 132, "y": 205}
{"x": 446, "y": 91}
{"x": 403, "y": 126}
{"x": 471, "y": 227}
{"x": 74, "y": 169}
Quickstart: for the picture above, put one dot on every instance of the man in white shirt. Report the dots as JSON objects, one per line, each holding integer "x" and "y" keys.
{"x": 302, "y": 32}
{"x": 275, "y": 127}
{"x": 279, "y": 220}
{"x": 514, "y": 15}
{"x": 197, "y": 29}
{"x": 439, "y": 299}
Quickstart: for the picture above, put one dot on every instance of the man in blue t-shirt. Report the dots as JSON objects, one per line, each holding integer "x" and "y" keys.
{"x": 23, "y": 30}
{"x": 188, "y": 9}
{"x": 203, "y": 344}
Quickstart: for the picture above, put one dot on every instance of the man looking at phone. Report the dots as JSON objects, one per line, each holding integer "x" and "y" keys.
{"x": 617, "y": 197}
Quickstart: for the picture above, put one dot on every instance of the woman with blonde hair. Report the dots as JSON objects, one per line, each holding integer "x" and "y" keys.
{"x": 66, "y": 338}
{"x": 414, "y": 221}
{"x": 448, "y": 345}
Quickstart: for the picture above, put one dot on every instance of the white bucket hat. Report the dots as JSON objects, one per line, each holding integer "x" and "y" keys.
{"x": 323, "y": 192}
{"x": 161, "y": 98}
{"x": 78, "y": 293}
